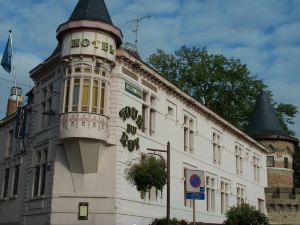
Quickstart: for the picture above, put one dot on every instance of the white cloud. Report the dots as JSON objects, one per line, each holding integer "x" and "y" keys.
{"x": 263, "y": 34}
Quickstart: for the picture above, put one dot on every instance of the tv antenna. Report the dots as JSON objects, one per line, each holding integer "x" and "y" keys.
{"x": 136, "y": 30}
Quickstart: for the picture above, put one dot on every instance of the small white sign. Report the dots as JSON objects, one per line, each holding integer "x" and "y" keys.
{"x": 195, "y": 181}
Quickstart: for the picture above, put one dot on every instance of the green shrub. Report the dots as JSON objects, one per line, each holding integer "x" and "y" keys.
{"x": 173, "y": 221}
{"x": 245, "y": 214}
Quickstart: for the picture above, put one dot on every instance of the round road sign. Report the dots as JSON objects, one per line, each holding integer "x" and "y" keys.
{"x": 195, "y": 181}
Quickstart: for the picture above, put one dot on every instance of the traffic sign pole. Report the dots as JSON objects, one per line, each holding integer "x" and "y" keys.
{"x": 194, "y": 212}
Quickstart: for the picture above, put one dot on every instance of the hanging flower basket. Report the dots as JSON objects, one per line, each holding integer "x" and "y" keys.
{"x": 149, "y": 172}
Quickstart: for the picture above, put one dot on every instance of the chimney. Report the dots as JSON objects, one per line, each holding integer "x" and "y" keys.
{"x": 15, "y": 96}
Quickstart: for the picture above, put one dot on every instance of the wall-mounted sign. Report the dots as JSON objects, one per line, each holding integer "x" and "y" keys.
{"x": 133, "y": 90}
{"x": 83, "y": 211}
{"x": 20, "y": 123}
{"x": 76, "y": 43}
{"x": 126, "y": 113}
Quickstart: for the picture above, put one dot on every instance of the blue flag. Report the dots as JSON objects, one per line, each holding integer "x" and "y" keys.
{"x": 7, "y": 56}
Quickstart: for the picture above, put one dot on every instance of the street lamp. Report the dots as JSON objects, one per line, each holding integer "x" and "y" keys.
{"x": 168, "y": 175}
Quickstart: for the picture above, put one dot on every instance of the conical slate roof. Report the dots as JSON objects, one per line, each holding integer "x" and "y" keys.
{"x": 264, "y": 121}
{"x": 94, "y": 10}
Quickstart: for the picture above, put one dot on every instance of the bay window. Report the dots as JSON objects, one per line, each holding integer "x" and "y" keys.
{"x": 86, "y": 91}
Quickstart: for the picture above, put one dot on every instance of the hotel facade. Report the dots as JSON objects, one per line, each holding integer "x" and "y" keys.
{"x": 95, "y": 107}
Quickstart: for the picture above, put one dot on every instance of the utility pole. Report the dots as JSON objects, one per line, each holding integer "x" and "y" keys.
{"x": 168, "y": 175}
{"x": 136, "y": 30}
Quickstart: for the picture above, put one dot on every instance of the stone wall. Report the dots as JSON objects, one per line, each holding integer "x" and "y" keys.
{"x": 283, "y": 205}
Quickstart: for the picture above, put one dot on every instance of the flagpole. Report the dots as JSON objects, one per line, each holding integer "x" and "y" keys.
{"x": 14, "y": 69}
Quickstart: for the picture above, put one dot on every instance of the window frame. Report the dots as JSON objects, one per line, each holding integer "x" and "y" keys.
{"x": 76, "y": 91}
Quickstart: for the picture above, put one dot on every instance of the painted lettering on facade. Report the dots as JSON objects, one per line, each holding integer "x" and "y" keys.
{"x": 20, "y": 123}
{"x": 76, "y": 43}
{"x": 127, "y": 113}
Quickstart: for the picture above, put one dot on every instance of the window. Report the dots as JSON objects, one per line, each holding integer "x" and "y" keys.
{"x": 152, "y": 122}
{"x": 224, "y": 196}
{"x": 16, "y": 180}
{"x": 145, "y": 116}
{"x": 95, "y": 96}
{"x": 270, "y": 161}
{"x": 40, "y": 169}
{"x": 85, "y": 95}
{"x": 5, "y": 184}
{"x": 87, "y": 70}
{"x": 46, "y": 105}
{"x": 149, "y": 113}
{"x": 240, "y": 194}
{"x": 210, "y": 193}
{"x": 87, "y": 91}
{"x": 239, "y": 160}
{"x": 171, "y": 110}
{"x": 247, "y": 155}
{"x": 187, "y": 202}
{"x": 188, "y": 133}
{"x": 102, "y": 98}
{"x": 261, "y": 205}
{"x": 67, "y": 95}
{"x": 78, "y": 70}
{"x": 256, "y": 162}
{"x": 286, "y": 163}
{"x": 75, "y": 101}
{"x": 10, "y": 139}
{"x": 217, "y": 154}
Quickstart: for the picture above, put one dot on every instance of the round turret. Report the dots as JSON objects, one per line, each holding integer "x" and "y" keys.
{"x": 265, "y": 127}
{"x": 90, "y": 31}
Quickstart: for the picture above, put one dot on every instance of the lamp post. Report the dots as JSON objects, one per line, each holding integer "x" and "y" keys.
{"x": 168, "y": 175}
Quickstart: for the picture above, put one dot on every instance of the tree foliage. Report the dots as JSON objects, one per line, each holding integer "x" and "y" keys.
{"x": 245, "y": 214}
{"x": 224, "y": 85}
{"x": 149, "y": 172}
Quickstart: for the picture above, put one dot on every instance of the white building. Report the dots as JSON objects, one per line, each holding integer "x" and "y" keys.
{"x": 72, "y": 152}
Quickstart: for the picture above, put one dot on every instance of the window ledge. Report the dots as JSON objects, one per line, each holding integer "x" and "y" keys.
{"x": 35, "y": 198}
{"x": 7, "y": 158}
{"x": 3, "y": 199}
{"x": 13, "y": 197}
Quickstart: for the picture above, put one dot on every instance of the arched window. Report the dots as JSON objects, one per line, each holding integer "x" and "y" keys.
{"x": 77, "y": 69}
{"x": 87, "y": 70}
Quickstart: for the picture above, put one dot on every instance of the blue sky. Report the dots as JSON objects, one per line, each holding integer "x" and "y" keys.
{"x": 264, "y": 34}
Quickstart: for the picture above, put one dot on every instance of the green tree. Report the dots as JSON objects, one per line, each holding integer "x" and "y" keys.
{"x": 224, "y": 85}
{"x": 245, "y": 215}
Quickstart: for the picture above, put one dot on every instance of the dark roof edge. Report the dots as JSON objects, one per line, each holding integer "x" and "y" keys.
{"x": 281, "y": 137}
